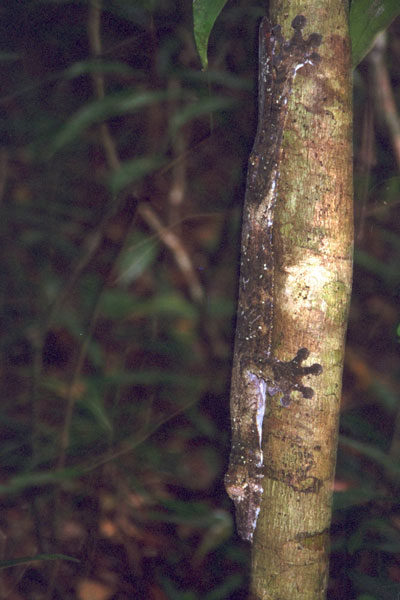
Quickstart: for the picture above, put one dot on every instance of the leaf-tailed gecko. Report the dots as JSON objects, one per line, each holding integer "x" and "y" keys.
{"x": 257, "y": 374}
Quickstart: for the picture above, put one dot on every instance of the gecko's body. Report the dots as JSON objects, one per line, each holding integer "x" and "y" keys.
{"x": 256, "y": 373}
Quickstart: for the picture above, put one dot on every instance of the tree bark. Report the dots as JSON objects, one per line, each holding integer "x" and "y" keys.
{"x": 313, "y": 243}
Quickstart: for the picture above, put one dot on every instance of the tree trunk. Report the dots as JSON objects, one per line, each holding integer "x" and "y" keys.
{"x": 313, "y": 242}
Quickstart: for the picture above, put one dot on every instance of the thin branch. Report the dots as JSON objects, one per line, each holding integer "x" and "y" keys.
{"x": 170, "y": 239}
{"x": 364, "y": 165}
{"x": 174, "y": 243}
{"x": 385, "y": 104}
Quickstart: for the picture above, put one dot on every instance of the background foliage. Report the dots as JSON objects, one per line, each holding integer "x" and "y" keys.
{"x": 122, "y": 170}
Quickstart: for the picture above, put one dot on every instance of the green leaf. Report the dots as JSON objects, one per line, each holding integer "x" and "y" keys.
{"x": 96, "y": 66}
{"x": 4, "y": 564}
{"x": 355, "y": 497}
{"x": 168, "y": 304}
{"x": 392, "y": 466}
{"x": 138, "y": 255}
{"x": 38, "y": 479}
{"x": 111, "y": 106}
{"x": 153, "y": 377}
{"x": 205, "y": 13}
{"x": 381, "y": 269}
{"x": 117, "y": 304}
{"x": 133, "y": 170}
{"x": 203, "y": 106}
{"x": 92, "y": 403}
{"x": 121, "y": 304}
{"x": 374, "y": 587}
{"x": 230, "y": 584}
{"x": 213, "y": 76}
{"x": 9, "y": 57}
{"x": 367, "y": 19}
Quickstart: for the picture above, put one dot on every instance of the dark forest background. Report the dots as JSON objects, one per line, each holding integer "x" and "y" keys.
{"x": 122, "y": 174}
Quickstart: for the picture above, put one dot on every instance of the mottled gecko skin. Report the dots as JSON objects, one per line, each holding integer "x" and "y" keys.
{"x": 256, "y": 373}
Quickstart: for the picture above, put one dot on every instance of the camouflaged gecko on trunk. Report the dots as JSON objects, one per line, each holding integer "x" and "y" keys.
{"x": 256, "y": 374}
